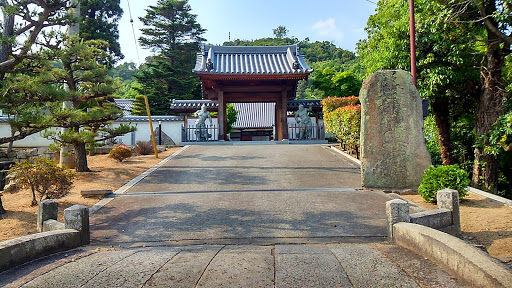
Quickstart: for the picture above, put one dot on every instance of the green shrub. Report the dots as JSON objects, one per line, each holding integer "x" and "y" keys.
{"x": 345, "y": 124}
{"x": 330, "y": 104}
{"x": 442, "y": 177}
{"x": 120, "y": 153}
{"x": 43, "y": 176}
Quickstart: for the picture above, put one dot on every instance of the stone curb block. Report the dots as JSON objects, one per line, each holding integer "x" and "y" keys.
{"x": 470, "y": 264}
{"x": 24, "y": 249}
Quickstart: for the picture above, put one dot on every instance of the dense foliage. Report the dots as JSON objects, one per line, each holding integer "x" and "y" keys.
{"x": 99, "y": 20}
{"x": 172, "y": 32}
{"x": 462, "y": 56}
{"x": 43, "y": 176}
{"x": 442, "y": 177}
{"x": 231, "y": 116}
{"x": 90, "y": 96}
{"x": 342, "y": 117}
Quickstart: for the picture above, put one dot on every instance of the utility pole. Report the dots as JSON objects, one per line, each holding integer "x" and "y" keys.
{"x": 412, "y": 28}
{"x": 65, "y": 158}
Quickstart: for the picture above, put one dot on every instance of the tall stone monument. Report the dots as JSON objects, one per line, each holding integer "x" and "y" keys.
{"x": 393, "y": 151}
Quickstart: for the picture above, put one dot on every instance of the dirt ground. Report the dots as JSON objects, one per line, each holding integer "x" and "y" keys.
{"x": 108, "y": 173}
{"x": 484, "y": 222}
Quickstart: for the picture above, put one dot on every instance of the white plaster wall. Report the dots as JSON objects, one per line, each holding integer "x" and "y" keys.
{"x": 171, "y": 128}
{"x": 143, "y": 133}
{"x": 34, "y": 140}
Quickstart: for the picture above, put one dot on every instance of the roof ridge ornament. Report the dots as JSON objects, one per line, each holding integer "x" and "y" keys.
{"x": 209, "y": 63}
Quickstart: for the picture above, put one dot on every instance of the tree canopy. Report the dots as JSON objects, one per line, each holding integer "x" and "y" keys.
{"x": 99, "y": 20}
{"x": 172, "y": 32}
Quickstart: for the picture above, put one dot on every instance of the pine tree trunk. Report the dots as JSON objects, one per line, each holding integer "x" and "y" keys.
{"x": 81, "y": 158}
{"x": 442, "y": 117}
{"x": 2, "y": 210}
{"x": 488, "y": 109}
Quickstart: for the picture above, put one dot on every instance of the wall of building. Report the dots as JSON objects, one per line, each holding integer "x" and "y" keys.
{"x": 143, "y": 133}
{"x": 170, "y": 128}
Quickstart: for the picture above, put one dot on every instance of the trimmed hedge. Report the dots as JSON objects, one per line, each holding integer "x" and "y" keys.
{"x": 342, "y": 117}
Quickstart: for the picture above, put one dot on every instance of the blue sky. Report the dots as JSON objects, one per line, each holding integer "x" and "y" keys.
{"x": 339, "y": 21}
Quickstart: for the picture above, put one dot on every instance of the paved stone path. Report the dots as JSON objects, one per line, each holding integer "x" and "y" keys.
{"x": 333, "y": 265}
{"x": 217, "y": 194}
{"x": 240, "y": 216}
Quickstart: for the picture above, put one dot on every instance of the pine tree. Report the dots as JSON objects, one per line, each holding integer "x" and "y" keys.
{"x": 99, "y": 21}
{"x": 173, "y": 33}
{"x": 91, "y": 94}
{"x": 139, "y": 106}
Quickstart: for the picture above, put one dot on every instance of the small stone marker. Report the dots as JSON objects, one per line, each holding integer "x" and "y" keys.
{"x": 397, "y": 210}
{"x": 393, "y": 151}
{"x": 48, "y": 209}
{"x": 449, "y": 199}
{"x": 77, "y": 217}
{"x": 95, "y": 193}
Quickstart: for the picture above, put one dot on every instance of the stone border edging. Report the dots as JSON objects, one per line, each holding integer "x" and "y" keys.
{"x": 496, "y": 198}
{"x": 357, "y": 161}
{"x": 469, "y": 263}
{"x": 20, "y": 250}
{"x": 134, "y": 181}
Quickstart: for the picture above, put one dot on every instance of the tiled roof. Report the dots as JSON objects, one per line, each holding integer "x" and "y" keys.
{"x": 193, "y": 104}
{"x": 251, "y": 60}
{"x": 213, "y": 105}
{"x": 254, "y": 115}
{"x": 145, "y": 118}
{"x": 306, "y": 102}
{"x": 126, "y": 105}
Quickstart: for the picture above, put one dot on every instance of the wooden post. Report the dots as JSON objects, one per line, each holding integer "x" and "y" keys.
{"x": 284, "y": 116}
{"x": 151, "y": 126}
{"x": 279, "y": 123}
{"x": 221, "y": 115}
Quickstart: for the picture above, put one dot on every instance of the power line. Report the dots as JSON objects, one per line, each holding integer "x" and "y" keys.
{"x": 371, "y": 2}
{"x": 133, "y": 32}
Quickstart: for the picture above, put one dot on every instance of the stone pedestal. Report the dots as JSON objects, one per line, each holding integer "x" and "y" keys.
{"x": 396, "y": 211}
{"x": 77, "y": 217}
{"x": 48, "y": 209}
{"x": 449, "y": 199}
{"x": 393, "y": 151}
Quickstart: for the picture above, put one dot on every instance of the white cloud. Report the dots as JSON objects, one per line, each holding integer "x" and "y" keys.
{"x": 327, "y": 29}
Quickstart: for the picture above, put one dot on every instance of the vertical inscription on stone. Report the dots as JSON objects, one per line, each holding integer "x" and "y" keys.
{"x": 393, "y": 151}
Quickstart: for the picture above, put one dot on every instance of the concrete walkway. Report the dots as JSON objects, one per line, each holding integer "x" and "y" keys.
{"x": 240, "y": 216}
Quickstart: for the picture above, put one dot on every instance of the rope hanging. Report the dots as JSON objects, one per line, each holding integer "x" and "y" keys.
{"x": 133, "y": 32}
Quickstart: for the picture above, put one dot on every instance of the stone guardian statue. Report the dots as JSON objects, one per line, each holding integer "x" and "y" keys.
{"x": 201, "y": 129}
{"x": 304, "y": 122}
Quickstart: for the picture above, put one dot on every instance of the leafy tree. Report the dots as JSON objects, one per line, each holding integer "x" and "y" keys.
{"x": 231, "y": 116}
{"x": 339, "y": 84}
{"x": 99, "y": 21}
{"x": 125, "y": 71}
{"x": 280, "y": 32}
{"x": 173, "y": 33}
{"x": 43, "y": 176}
{"x": 495, "y": 17}
{"x": 445, "y": 53}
